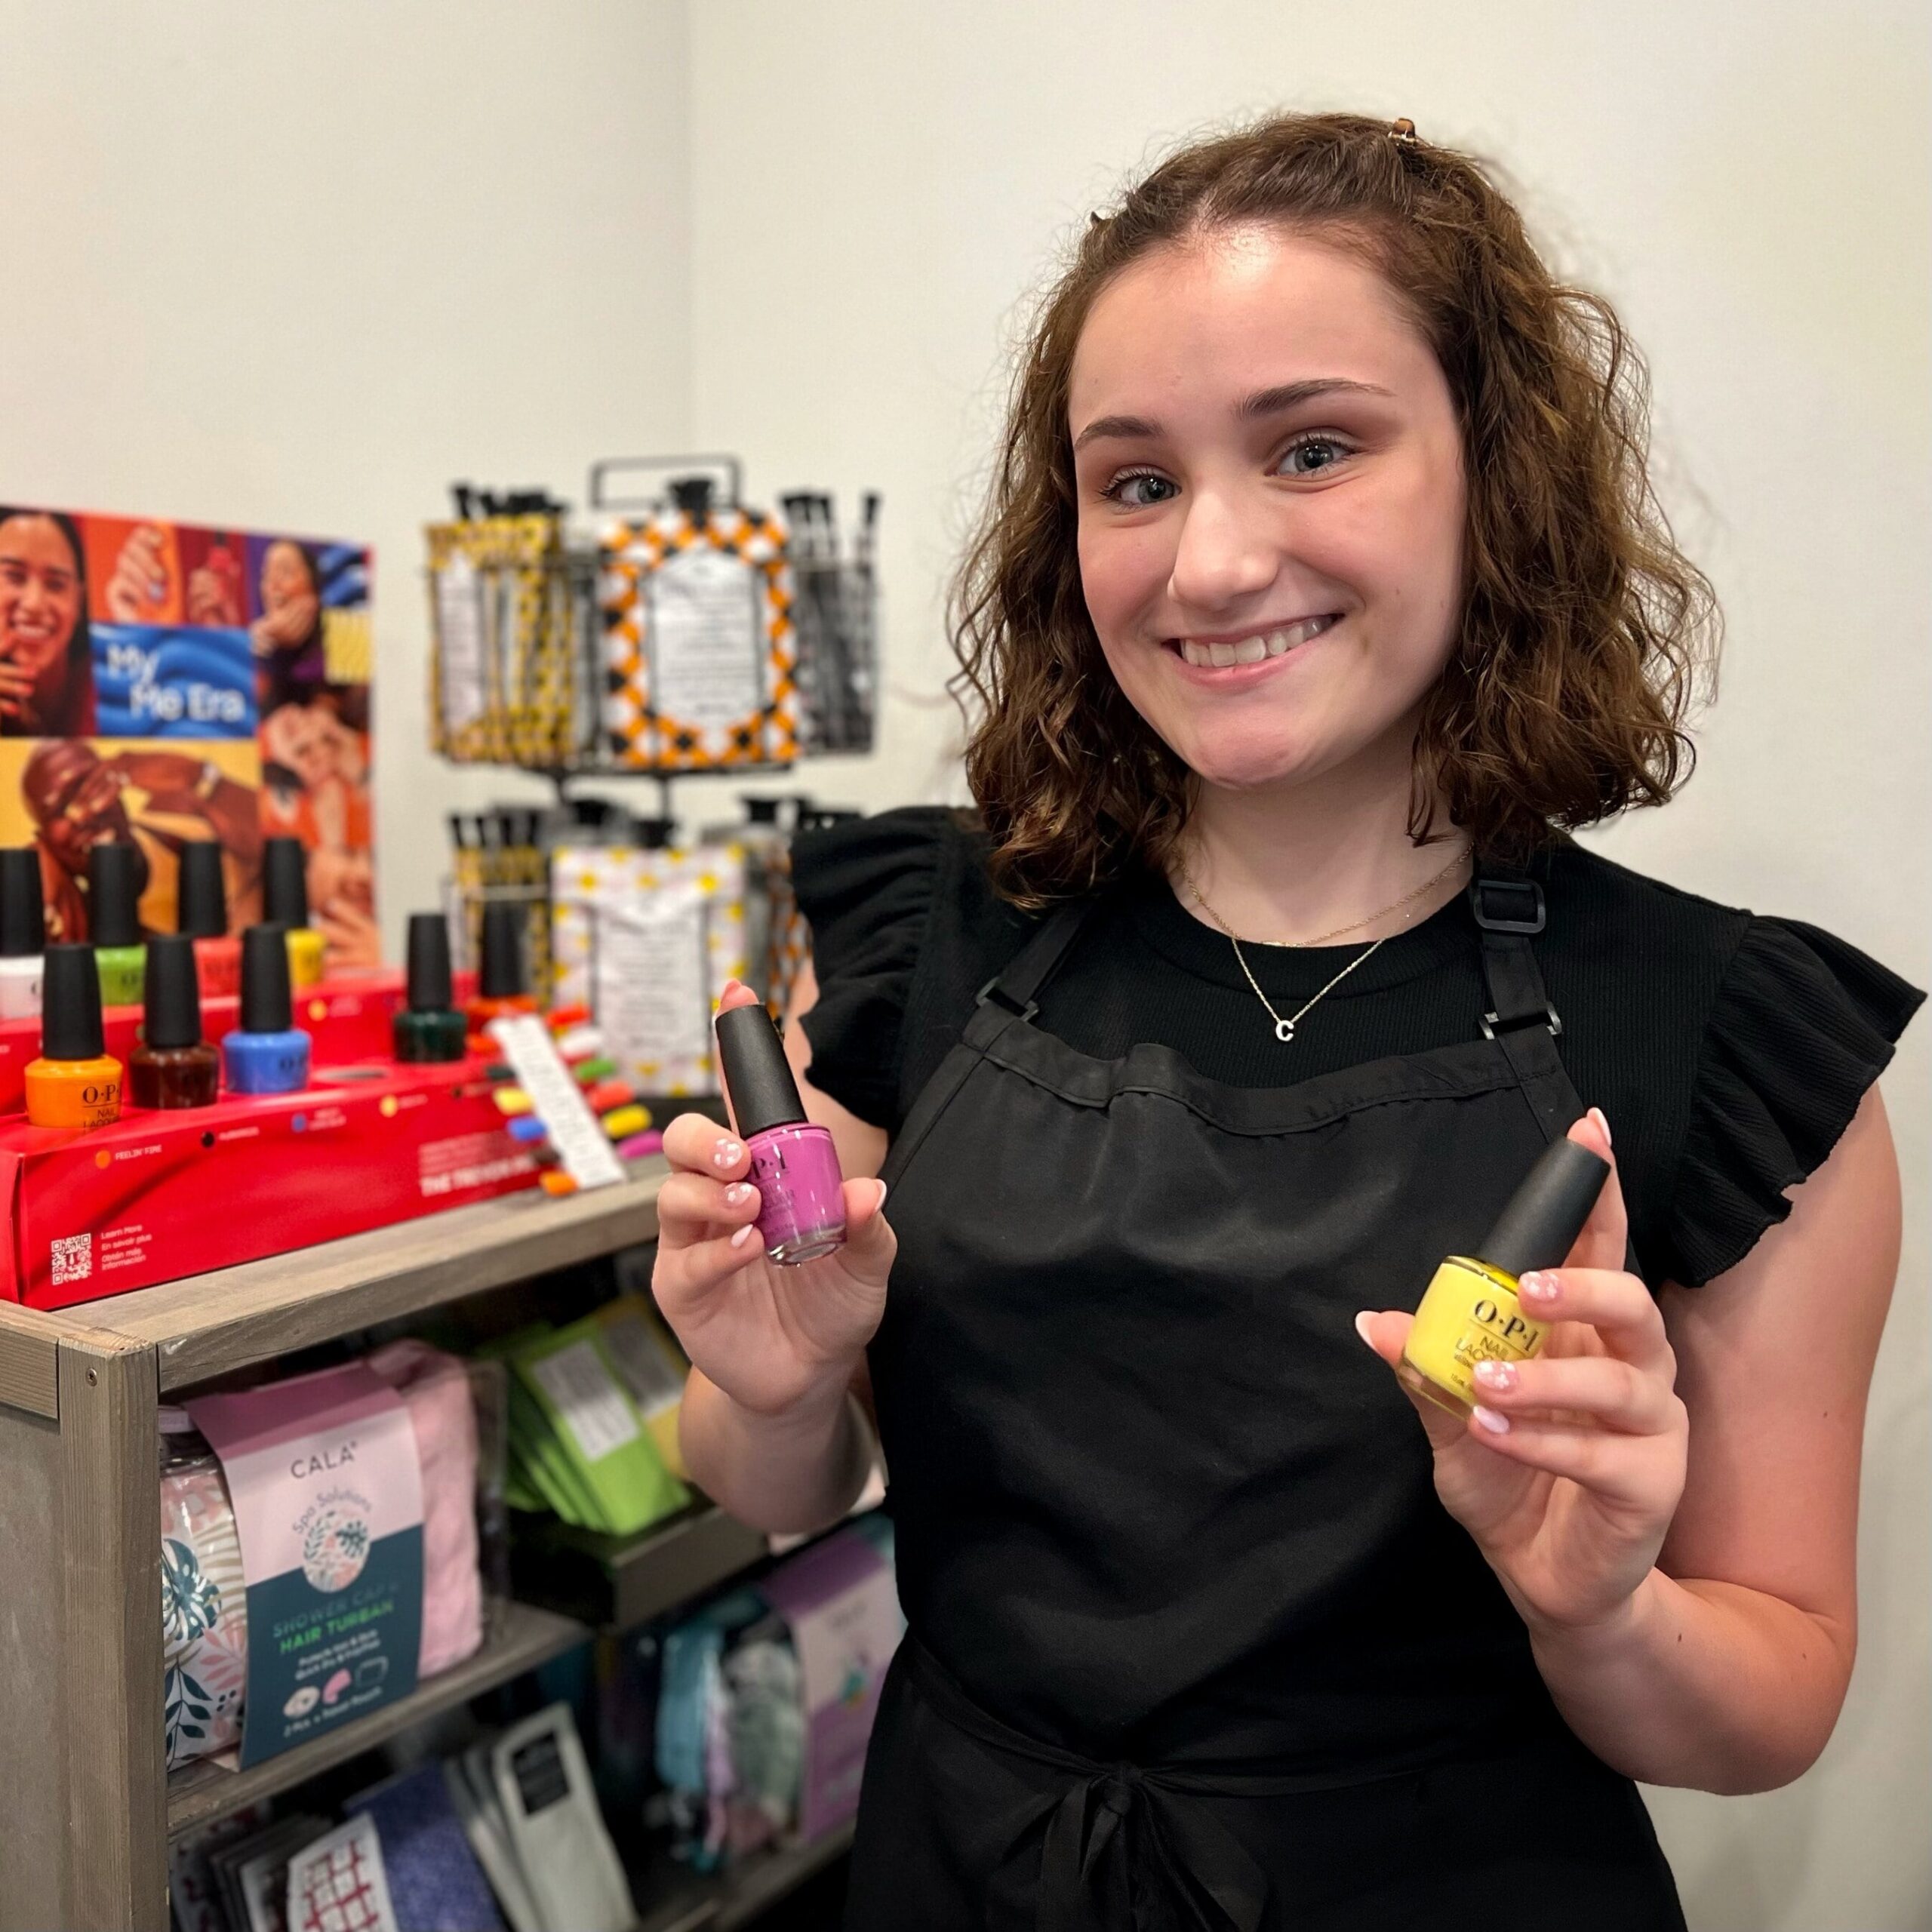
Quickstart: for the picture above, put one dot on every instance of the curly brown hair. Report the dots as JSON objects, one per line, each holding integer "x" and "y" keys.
{"x": 1585, "y": 633}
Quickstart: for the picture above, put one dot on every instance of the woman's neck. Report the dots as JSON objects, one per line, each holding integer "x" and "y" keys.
{"x": 1331, "y": 853}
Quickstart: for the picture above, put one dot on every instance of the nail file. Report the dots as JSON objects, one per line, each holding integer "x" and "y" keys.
{"x": 588, "y": 1156}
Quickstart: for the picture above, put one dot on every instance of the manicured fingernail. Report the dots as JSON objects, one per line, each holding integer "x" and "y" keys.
{"x": 1500, "y": 1376}
{"x": 1603, "y": 1124}
{"x": 1361, "y": 1326}
{"x": 744, "y": 1234}
{"x": 1489, "y": 1418}
{"x": 725, "y": 1154}
{"x": 738, "y": 1193}
{"x": 881, "y": 1208}
{"x": 1539, "y": 1285}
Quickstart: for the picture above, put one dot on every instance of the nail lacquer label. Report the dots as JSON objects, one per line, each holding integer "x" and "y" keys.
{"x": 1470, "y": 1314}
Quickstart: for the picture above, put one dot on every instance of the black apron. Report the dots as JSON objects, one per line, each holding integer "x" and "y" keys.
{"x": 1192, "y": 1643}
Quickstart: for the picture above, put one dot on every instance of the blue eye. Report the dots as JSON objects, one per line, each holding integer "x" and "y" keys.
{"x": 1325, "y": 452}
{"x": 1121, "y": 489}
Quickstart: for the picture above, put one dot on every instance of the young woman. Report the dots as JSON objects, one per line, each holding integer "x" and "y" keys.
{"x": 46, "y": 654}
{"x": 1321, "y": 590}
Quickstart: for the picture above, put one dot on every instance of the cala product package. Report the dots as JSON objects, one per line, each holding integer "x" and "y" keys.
{"x": 328, "y": 1506}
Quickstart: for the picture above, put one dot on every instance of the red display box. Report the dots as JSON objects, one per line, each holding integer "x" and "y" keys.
{"x": 158, "y": 1195}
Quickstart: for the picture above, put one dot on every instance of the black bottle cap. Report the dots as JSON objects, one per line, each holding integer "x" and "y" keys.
{"x": 70, "y": 1004}
{"x": 202, "y": 895}
{"x": 114, "y": 886}
{"x": 285, "y": 882}
{"x": 1546, "y": 1213}
{"x": 266, "y": 1007}
{"x": 173, "y": 1018}
{"x": 501, "y": 975}
{"x": 756, "y": 1072}
{"x": 429, "y": 963}
{"x": 23, "y": 918}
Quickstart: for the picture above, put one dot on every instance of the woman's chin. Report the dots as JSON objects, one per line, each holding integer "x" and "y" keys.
{"x": 1250, "y": 767}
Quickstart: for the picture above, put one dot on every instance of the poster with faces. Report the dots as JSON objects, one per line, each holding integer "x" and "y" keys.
{"x": 161, "y": 682}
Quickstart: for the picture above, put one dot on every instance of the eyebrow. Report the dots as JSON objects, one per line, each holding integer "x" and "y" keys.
{"x": 1262, "y": 403}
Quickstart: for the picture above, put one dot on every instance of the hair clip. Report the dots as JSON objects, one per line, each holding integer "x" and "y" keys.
{"x": 1404, "y": 134}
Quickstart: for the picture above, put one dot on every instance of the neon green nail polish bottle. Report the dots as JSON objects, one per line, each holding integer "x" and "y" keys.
{"x": 113, "y": 926}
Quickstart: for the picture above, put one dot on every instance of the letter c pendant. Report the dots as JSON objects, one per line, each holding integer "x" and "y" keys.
{"x": 1284, "y": 1031}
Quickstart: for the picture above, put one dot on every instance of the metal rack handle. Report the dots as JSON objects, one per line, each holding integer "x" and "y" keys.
{"x": 728, "y": 466}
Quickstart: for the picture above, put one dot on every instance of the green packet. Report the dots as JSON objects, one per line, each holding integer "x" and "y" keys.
{"x": 596, "y": 1451}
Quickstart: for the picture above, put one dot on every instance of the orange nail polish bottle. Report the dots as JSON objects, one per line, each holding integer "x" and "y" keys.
{"x": 74, "y": 1082}
{"x": 202, "y": 915}
{"x": 503, "y": 982}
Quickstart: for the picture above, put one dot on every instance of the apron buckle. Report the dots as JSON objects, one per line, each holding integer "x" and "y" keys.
{"x": 1492, "y": 1025}
{"x": 994, "y": 992}
{"x": 1508, "y": 906}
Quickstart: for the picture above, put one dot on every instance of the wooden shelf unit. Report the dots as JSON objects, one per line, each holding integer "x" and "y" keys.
{"x": 523, "y": 1638}
{"x": 88, "y": 1805}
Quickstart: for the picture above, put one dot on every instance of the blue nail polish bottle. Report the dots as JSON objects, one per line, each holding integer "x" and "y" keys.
{"x": 267, "y": 1053}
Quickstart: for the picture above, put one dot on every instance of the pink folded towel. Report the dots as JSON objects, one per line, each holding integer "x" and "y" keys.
{"x": 435, "y": 1388}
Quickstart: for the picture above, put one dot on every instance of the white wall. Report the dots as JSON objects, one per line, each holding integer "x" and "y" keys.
{"x": 876, "y": 184}
{"x": 297, "y": 267}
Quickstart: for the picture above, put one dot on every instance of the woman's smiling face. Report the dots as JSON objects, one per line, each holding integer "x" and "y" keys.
{"x": 40, "y": 591}
{"x": 1272, "y": 502}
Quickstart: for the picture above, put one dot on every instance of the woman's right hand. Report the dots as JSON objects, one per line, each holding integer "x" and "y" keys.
{"x": 767, "y": 1337}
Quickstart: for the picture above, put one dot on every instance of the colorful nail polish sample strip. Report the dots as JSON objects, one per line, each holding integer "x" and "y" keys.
{"x": 611, "y": 1101}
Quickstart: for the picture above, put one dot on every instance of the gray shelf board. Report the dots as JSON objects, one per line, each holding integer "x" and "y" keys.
{"x": 524, "y": 1636}
{"x": 207, "y": 1325}
{"x": 724, "y": 1903}
{"x": 617, "y": 1583}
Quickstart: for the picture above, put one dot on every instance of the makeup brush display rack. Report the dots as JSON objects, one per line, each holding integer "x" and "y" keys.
{"x": 89, "y": 1807}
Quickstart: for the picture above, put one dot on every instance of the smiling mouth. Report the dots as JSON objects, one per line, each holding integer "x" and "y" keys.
{"x": 1254, "y": 650}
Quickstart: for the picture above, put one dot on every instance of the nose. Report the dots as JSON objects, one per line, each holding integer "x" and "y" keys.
{"x": 1224, "y": 556}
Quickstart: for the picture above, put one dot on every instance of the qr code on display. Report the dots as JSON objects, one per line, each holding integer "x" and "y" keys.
{"x": 73, "y": 1259}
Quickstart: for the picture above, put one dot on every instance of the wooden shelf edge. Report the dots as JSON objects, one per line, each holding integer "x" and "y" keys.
{"x": 207, "y": 1325}
{"x": 726, "y": 1903}
{"x": 524, "y": 1636}
{"x": 617, "y": 1583}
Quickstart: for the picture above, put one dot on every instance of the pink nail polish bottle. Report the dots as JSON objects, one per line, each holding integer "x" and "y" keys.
{"x": 793, "y": 1163}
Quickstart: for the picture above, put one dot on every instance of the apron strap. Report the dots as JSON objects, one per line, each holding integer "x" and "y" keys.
{"x": 1016, "y": 988}
{"x": 1508, "y": 909}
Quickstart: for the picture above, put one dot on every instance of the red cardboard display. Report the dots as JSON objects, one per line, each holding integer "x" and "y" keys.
{"x": 158, "y": 1195}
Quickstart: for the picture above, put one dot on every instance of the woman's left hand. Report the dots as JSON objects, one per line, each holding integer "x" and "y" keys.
{"x": 1568, "y": 1474}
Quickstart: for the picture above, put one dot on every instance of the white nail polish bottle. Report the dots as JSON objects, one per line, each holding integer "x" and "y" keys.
{"x": 23, "y": 933}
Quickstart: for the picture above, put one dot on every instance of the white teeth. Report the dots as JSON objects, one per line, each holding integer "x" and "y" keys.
{"x": 1253, "y": 650}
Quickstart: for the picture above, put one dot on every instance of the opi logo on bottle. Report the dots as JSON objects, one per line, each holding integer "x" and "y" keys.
{"x": 1509, "y": 1329}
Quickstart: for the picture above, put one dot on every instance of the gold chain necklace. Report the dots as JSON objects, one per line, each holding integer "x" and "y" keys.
{"x": 1284, "y": 1029}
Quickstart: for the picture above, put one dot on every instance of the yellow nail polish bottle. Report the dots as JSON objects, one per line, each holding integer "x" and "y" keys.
{"x": 1470, "y": 1311}
{"x": 285, "y": 903}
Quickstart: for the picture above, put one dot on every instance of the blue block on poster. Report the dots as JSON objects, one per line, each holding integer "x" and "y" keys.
{"x": 153, "y": 681}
